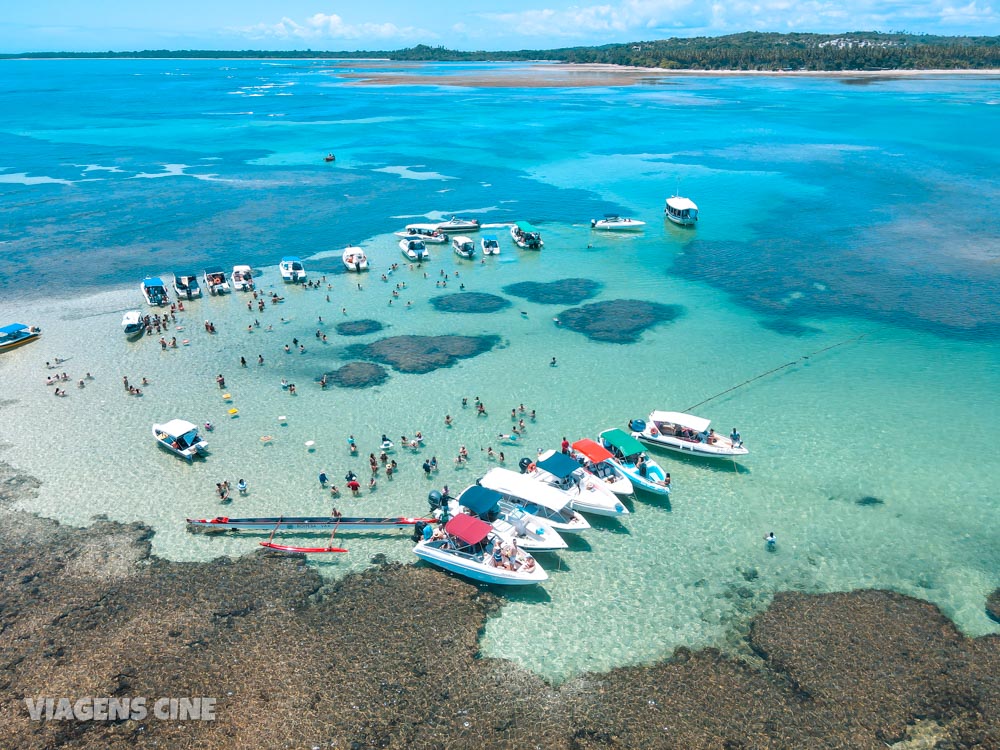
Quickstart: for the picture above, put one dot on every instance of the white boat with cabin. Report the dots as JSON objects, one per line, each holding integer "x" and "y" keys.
{"x": 529, "y": 532}
{"x": 455, "y": 224}
{"x": 586, "y": 492}
{"x": 681, "y": 211}
{"x": 596, "y": 460}
{"x": 489, "y": 244}
{"x": 468, "y": 546}
{"x": 154, "y": 291}
{"x": 426, "y": 232}
{"x": 180, "y": 438}
{"x": 186, "y": 285}
{"x": 526, "y": 236}
{"x": 215, "y": 280}
{"x": 133, "y": 324}
{"x": 414, "y": 250}
{"x": 242, "y": 277}
{"x": 687, "y": 434}
{"x": 463, "y": 247}
{"x": 616, "y": 223}
{"x": 539, "y": 500}
{"x": 291, "y": 269}
{"x": 355, "y": 259}
{"x": 629, "y": 457}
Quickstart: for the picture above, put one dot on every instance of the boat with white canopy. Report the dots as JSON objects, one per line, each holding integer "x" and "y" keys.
{"x": 470, "y": 547}
{"x": 463, "y": 247}
{"x": 687, "y": 434}
{"x": 596, "y": 460}
{"x": 586, "y": 492}
{"x": 291, "y": 269}
{"x": 681, "y": 211}
{"x": 629, "y": 457}
{"x": 545, "y": 503}
{"x": 133, "y": 324}
{"x": 414, "y": 250}
{"x": 180, "y": 438}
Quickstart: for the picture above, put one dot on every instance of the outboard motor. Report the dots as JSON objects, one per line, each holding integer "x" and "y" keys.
{"x": 637, "y": 425}
{"x": 418, "y": 531}
{"x": 435, "y": 499}
{"x": 524, "y": 463}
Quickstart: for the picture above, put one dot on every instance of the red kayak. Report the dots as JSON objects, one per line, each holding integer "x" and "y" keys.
{"x": 307, "y": 550}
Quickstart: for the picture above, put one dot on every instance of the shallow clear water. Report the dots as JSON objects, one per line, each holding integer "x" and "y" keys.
{"x": 829, "y": 211}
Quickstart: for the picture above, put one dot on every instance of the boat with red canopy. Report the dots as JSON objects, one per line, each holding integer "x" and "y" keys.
{"x": 468, "y": 546}
{"x": 595, "y": 459}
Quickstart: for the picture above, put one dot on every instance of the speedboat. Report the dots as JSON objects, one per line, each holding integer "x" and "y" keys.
{"x": 425, "y": 232}
{"x": 414, "y": 250}
{"x": 681, "y": 211}
{"x": 489, "y": 244}
{"x": 469, "y": 547}
{"x": 454, "y": 224}
{"x": 180, "y": 438}
{"x": 629, "y": 457}
{"x": 539, "y": 500}
{"x": 215, "y": 280}
{"x": 355, "y": 259}
{"x": 464, "y": 247}
{"x": 616, "y": 223}
{"x": 526, "y": 236}
{"x": 133, "y": 324}
{"x": 242, "y": 277}
{"x": 687, "y": 434}
{"x": 17, "y": 334}
{"x": 596, "y": 460}
{"x": 514, "y": 524}
{"x": 186, "y": 285}
{"x": 292, "y": 270}
{"x": 586, "y": 492}
{"x": 154, "y": 291}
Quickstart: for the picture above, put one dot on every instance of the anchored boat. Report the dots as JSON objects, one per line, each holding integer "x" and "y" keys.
{"x": 688, "y": 434}
{"x": 526, "y": 236}
{"x": 597, "y": 460}
{"x": 681, "y": 211}
{"x": 17, "y": 334}
{"x": 629, "y": 457}
{"x": 616, "y": 223}
{"x": 154, "y": 291}
{"x": 586, "y": 492}
{"x": 180, "y": 438}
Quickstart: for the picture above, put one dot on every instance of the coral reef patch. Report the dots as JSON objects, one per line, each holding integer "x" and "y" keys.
{"x": 358, "y": 375}
{"x": 561, "y": 292}
{"x": 422, "y": 354}
{"x": 470, "y": 302}
{"x": 619, "y": 321}
{"x": 359, "y": 327}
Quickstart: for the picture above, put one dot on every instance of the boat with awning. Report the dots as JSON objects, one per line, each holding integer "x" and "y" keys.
{"x": 681, "y": 211}
{"x": 540, "y": 500}
{"x": 529, "y": 532}
{"x": 629, "y": 457}
{"x": 14, "y": 335}
{"x": 687, "y": 434}
{"x": 526, "y": 236}
{"x": 595, "y": 459}
{"x": 180, "y": 438}
{"x": 586, "y": 492}
{"x": 154, "y": 291}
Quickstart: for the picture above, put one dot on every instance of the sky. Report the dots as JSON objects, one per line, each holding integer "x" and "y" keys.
{"x": 122, "y": 25}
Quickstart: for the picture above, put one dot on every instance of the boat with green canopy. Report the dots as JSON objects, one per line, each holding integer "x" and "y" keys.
{"x": 629, "y": 456}
{"x": 526, "y": 236}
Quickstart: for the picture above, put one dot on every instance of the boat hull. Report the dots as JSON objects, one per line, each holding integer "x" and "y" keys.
{"x": 19, "y": 342}
{"x": 476, "y": 570}
{"x": 305, "y": 523}
{"x": 689, "y": 448}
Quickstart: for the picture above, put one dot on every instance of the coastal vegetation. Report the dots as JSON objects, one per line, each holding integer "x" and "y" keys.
{"x": 859, "y": 50}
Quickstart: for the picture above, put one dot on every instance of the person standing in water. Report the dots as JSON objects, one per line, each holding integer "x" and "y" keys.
{"x": 771, "y": 541}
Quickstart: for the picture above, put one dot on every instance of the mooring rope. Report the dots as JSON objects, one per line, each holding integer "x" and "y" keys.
{"x": 776, "y": 369}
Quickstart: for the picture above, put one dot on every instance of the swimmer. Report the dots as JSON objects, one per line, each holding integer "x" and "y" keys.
{"x": 447, "y": 420}
{"x": 553, "y": 362}
{"x": 771, "y": 540}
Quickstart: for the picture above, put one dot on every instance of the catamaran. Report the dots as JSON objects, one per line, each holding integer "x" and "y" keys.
{"x": 17, "y": 334}
{"x": 154, "y": 291}
{"x": 586, "y": 492}
{"x": 539, "y": 500}
{"x": 687, "y": 434}
{"x": 596, "y": 460}
{"x": 526, "y": 236}
{"x": 629, "y": 457}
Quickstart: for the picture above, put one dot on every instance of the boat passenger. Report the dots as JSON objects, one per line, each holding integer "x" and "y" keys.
{"x": 734, "y": 436}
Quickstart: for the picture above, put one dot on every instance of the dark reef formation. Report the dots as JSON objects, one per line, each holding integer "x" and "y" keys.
{"x": 359, "y": 327}
{"x": 389, "y": 659}
{"x": 358, "y": 375}
{"x": 421, "y": 354}
{"x": 993, "y": 605}
{"x": 561, "y": 292}
{"x": 470, "y": 302}
{"x": 619, "y": 321}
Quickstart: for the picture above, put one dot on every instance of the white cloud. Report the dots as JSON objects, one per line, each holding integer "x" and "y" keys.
{"x": 321, "y": 26}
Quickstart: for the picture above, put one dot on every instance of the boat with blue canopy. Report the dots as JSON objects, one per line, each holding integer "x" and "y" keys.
{"x": 17, "y": 334}
{"x": 529, "y": 532}
{"x": 586, "y": 492}
{"x": 154, "y": 291}
{"x": 629, "y": 456}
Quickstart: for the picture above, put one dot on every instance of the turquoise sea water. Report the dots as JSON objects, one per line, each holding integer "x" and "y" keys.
{"x": 830, "y": 209}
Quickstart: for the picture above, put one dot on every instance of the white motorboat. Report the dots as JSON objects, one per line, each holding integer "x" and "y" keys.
{"x": 529, "y": 532}
{"x": 587, "y": 493}
{"x": 455, "y": 224}
{"x": 14, "y": 335}
{"x": 469, "y": 547}
{"x": 242, "y": 278}
{"x": 629, "y": 457}
{"x": 215, "y": 280}
{"x": 489, "y": 244}
{"x": 291, "y": 269}
{"x": 681, "y": 211}
{"x": 180, "y": 438}
{"x": 186, "y": 285}
{"x": 526, "y": 236}
{"x": 426, "y": 232}
{"x": 539, "y": 500}
{"x": 463, "y": 247}
{"x": 687, "y": 434}
{"x": 595, "y": 459}
{"x": 355, "y": 259}
{"x": 616, "y": 223}
{"x": 414, "y": 250}
{"x": 154, "y": 291}
{"x": 133, "y": 324}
